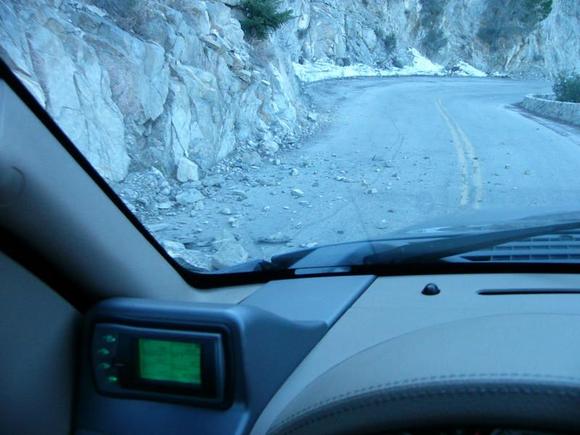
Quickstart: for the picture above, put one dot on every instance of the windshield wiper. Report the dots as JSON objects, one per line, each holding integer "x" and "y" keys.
{"x": 338, "y": 259}
{"x": 438, "y": 249}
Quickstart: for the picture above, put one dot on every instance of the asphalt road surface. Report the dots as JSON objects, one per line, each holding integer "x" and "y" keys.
{"x": 403, "y": 151}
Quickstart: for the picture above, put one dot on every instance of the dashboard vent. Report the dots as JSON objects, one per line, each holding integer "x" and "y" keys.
{"x": 562, "y": 247}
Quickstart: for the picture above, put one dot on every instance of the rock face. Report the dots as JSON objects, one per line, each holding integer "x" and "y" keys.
{"x": 174, "y": 85}
{"x": 504, "y": 36}
{"x": 145, "y": 83}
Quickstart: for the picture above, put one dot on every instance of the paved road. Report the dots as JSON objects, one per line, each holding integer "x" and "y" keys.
{"x": 398, "y": 152}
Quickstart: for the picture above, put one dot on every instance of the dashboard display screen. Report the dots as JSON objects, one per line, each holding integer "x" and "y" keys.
{"x": 169, "y": 361}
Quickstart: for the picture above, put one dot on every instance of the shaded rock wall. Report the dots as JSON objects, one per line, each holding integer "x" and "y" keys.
{"x": 379, "y": 32}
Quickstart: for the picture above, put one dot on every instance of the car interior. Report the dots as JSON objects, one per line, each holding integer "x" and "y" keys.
{"x": 102, "y": 332}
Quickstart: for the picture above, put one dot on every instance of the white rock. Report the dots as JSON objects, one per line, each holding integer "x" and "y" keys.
{"x": 269, "y": 147}
{"x": 297, "y": 193}
{"x": 312, "y": 116}
{"x": 229, "y": 252}
{"x": 383, "y": 224}
{"x": 172, "y": 246}
{"x": 165, "y": 205}
{"x": 275, "y": 239}
{"x": 192, "y": 257}
{"x": 189, "y": 197}
{"x": 240, "y": 194}
{"x": 158, "y": 227}
{"x": 187, "y": 170}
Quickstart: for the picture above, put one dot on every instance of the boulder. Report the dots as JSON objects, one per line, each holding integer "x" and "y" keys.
{"x": 189, "y": 197}
{"x": 187, "y": 170}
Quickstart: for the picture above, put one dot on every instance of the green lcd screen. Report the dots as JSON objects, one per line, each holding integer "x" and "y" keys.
{"x": 170, "y": 361}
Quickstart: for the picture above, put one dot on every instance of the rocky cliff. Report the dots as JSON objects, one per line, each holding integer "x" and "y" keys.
{"x": 517, "y": 37}
{"x": 175, "y": 85}
{"x": 168, "y": 84}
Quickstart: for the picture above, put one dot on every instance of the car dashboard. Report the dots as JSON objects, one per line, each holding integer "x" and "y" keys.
{"x": 356, "y": 354}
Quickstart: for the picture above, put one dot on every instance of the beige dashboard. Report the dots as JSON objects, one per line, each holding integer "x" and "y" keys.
{"x": 393, "y": 309}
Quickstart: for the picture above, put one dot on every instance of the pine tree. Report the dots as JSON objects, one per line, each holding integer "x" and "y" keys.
{"x": 262, "y": 17}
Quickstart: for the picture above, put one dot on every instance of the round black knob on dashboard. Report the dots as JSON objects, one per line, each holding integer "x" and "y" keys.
{"x": 431, "y": 290}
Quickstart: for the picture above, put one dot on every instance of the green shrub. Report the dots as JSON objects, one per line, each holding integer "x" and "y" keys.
{"x": 262, "y": 17}
{"x": 567, "y": 88}
{"x": 389, "y": 40}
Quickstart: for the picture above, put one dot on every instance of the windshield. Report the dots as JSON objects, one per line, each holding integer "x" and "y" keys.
{"x": 239, "y": 130}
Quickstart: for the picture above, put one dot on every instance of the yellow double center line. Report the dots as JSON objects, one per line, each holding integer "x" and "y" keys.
{"x": 471, "y": 185}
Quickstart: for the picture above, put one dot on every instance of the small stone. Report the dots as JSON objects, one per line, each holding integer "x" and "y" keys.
{"x": 266, "y": 208}
{"x": 294, "y": 172}
{"x": 297, "y": 193}
{"x": 158, "y": 227}
{"x": 372, "y": 191}
{"x": 239, "y": 194}
{"x": 309, "y": 245}
{"x": 269, "y": 147}
{"x": 383, "y": 224}
{"x": 189, "y": 197}
{"x": 171, "y": 245}
{"x": 275, "y": 239}
{"x": 507, "y": 166}
{"x": 165, "y": 205}
{"x": 226, "y": 211}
